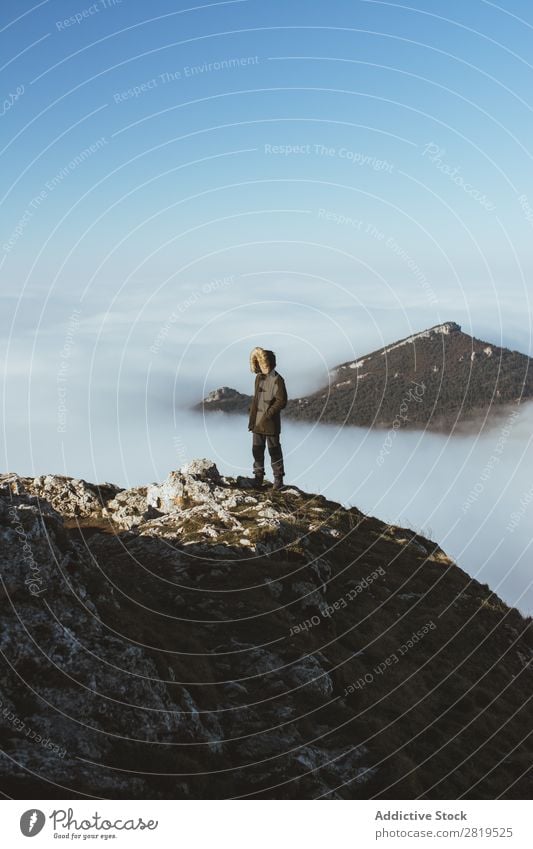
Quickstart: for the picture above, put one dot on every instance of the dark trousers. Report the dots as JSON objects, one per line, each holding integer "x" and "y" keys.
{"x": 274, "y": 449}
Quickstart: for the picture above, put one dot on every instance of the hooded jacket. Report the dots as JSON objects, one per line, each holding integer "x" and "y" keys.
{"x": 270, "y": 397}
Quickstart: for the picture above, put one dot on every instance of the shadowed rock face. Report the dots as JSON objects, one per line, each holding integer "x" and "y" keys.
{"x": 200, "y": 639}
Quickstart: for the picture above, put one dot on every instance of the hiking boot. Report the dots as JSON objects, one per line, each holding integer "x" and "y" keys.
{"x": 278, "y": 483}
{"x": 257, "y": 481}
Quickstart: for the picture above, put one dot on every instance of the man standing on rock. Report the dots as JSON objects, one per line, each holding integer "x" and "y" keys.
{"x": 270, "y": 397}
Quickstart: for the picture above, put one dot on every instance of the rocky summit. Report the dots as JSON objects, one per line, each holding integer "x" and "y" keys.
{"x": 199, "y": 639}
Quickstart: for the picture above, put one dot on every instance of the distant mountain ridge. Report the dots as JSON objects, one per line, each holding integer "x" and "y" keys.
{"x": 434, "y": 379}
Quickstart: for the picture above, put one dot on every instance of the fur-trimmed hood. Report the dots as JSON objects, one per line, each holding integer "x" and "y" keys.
{"x": 258, "y": 358}
{"x": 270, "y": 394}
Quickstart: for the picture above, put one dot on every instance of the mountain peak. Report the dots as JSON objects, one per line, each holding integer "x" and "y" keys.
{"x": 460, "y": 380}
{"x": 446, "y": 328}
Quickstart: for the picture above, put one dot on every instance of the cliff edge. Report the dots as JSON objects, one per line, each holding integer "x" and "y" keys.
{"x": 197, "y": 638}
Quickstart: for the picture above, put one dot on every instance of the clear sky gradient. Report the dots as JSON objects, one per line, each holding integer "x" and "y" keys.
{"x": 181, "y": 182}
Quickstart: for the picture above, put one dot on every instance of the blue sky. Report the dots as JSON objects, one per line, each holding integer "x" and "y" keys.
{"x": 180, "y": 184}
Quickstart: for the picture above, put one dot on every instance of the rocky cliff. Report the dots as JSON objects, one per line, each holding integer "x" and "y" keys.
{"x": 201, "y": 639}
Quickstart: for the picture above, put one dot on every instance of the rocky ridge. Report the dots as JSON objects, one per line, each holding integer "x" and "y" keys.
{"x": 197, "y": 638}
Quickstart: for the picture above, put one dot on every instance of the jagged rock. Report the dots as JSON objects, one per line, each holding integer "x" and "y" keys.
{"x": 72, "y": 497}
{"x": 130, "y": 508}
{"x": 189, "y": 485}
{"x": 238, "y": 644}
